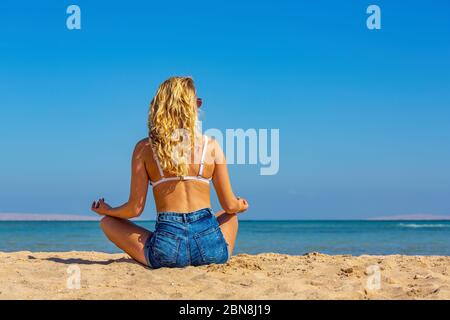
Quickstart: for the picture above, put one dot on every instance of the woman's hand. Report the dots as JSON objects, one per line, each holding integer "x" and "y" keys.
{"x": 243, "y": 205}
{"x": 100, "y": 207}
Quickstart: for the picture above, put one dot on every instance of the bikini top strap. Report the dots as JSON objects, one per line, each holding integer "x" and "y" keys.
{"x": 155, "y": 157}
{"x": 202, "y": 160}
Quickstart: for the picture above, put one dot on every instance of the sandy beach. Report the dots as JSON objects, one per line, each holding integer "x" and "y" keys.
{"x": 45, "y": 275}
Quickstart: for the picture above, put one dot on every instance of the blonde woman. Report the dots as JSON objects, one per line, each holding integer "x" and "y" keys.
{"x": 179, "y": 163}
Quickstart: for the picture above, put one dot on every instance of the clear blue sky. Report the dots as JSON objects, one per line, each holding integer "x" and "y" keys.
{"x": 364, "y": 116}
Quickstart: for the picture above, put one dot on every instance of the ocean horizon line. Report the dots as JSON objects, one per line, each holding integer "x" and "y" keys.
{"x": 80, "y": 218}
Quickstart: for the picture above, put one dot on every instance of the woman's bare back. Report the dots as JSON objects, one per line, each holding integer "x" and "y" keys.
{"x": 181, "y": 196}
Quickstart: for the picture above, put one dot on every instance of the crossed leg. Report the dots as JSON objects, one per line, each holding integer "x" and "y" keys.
{"x": 229, "y": 226}
{"x": 127, "y": 236}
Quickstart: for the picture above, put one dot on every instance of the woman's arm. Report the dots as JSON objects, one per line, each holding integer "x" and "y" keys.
{"x": 138, "y": 190}
{"x": 229, "y": 202}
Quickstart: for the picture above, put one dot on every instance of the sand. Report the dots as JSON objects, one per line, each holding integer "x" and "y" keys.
{"x": 53, "y": 275}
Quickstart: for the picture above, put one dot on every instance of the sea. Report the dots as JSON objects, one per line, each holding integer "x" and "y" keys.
{"x": 290, "y": 237}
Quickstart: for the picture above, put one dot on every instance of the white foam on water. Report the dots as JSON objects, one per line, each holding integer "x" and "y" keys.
{"x": 416, "y": 225}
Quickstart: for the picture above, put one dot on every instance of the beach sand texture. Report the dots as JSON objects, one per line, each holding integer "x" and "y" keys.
{"x": 44, "y": 275}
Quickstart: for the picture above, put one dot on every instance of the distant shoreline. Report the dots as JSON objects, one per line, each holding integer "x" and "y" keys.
{"x": 95, "y": 219}
{"x": 76, "y": 218}
{"x": 45, "y": 217}
{"x": 412, "y": 217}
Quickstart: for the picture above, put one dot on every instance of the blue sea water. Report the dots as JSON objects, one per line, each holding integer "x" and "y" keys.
{"x": 291, "y": 237}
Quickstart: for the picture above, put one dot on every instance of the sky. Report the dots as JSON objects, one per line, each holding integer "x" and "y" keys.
{"x": 363, "y": 115}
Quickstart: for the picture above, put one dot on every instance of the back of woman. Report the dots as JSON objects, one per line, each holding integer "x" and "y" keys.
{"x": 172, "y": 196}
{"x": 179, "y": 163}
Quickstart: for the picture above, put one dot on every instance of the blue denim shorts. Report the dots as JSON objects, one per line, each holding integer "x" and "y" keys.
{"x": 186, "y": 239}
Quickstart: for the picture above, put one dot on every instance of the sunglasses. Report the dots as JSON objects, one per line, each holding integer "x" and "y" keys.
{"x": 199, "y": 102}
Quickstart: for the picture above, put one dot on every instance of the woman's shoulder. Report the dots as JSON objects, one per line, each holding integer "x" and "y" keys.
{"x": 212, "y": 141}
{"x": 144, "y": 142}
{"x": 215, "y": 150}
{"x": 143, "y": 146}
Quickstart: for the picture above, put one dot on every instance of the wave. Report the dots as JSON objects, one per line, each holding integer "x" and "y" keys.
{"x": 416, "y": 225}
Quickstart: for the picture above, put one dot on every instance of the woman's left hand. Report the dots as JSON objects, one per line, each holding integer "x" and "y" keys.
{"x": 100, "y": 207}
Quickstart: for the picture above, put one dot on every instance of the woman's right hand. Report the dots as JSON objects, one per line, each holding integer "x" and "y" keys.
{"x": 243, "y": 205}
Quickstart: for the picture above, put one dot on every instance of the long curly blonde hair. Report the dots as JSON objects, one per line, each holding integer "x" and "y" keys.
{"x": 172, "y": 124}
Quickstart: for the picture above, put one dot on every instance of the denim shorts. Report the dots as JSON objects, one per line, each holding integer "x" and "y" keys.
{"x": 186, "y": 239}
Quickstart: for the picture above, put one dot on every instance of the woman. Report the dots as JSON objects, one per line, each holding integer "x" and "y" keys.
{"x": 178, "y": 162}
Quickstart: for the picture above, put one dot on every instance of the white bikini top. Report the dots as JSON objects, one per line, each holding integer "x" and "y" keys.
{"x": 198, "y": 177}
